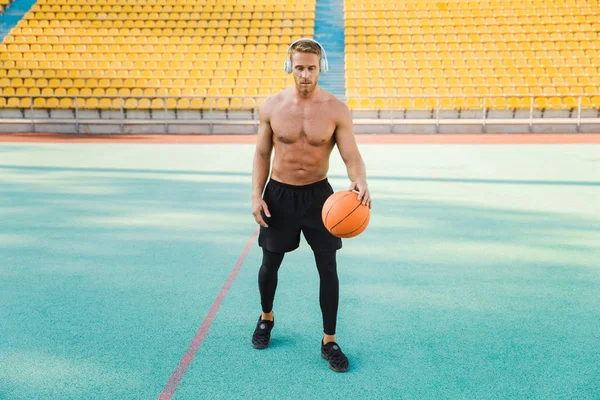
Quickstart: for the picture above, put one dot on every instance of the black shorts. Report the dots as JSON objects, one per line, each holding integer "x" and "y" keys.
{"x": 294, "y": 209}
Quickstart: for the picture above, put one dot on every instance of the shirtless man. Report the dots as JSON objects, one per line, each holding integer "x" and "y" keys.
{"x": 303, "y": 124}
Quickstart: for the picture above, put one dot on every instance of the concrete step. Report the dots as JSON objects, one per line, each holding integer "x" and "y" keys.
{"x": 12, "y": 15}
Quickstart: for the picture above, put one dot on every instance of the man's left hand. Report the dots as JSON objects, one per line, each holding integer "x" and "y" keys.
{"x": 363, "y": 192}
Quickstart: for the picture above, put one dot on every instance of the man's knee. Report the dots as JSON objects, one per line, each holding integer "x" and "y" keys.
{"x": 271, "y": 260}
{"x": 326, "y": 261}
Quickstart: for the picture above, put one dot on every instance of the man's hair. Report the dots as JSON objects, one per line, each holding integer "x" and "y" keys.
{"x": 306, "y": 46}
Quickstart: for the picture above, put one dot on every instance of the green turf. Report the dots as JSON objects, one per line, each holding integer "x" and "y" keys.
{"x": 477, "y": 277}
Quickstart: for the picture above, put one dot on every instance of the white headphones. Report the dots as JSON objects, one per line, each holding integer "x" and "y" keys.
{"x": 287, "y": 66}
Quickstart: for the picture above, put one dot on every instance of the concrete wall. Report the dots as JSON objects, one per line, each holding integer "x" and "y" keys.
{"x": 406, "y": 126}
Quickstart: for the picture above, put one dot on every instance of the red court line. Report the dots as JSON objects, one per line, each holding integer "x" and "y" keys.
{"x": 131, "y": 138}
{"x": 486, "y": 138}
{"x": 190, "y": 353}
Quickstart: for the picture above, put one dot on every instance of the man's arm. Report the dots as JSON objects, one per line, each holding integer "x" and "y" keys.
{"x": 262, "y": 163}
{"x": 346, "y": 143}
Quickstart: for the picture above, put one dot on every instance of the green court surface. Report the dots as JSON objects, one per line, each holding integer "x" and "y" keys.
{"x": 477, "y": 278}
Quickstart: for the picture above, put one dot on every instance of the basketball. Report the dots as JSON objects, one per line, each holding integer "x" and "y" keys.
{"x": 344, "y": 216}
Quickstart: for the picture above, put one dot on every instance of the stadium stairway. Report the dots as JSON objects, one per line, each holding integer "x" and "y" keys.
{"x": 329, "y": 31}
{"x": 12, "y": 15}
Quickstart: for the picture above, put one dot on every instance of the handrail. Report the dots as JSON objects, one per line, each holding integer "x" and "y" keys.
{"x": 208, "y": 105}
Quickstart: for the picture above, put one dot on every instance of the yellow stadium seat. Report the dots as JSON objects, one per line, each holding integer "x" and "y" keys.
{"x": 111, "y": 92}
{"x": 183, "y": 103}
{"x": 157, "y": 104}
{"x": 130, "y": 104}
{"x": 13, "y": 102}
{"x": 85, "y": 92}
{"x": 39, "y": 102}
{"x": 144, "y": 103}
{"x": 556, "y": 103}
{"x": 90, "y": 103}
{"x": 164, "y": 91}
{"x": 527, "y": 102}
{"x": 514, "y": 102}
{"x": 380, "y": 103}
{"x": 352, "y": 103}
{"x": 500, "y": 103}
{"x": 25, "y": 102}
{"x": 137, "y": 92}
{"x": 105, "y": 104}
{"x": 221, "y": 104}
{"x": 365, "y": 103}
{"x": 541, "y": 102}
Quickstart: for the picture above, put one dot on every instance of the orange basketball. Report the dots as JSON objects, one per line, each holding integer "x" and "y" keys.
{"x": 344, "y": 216}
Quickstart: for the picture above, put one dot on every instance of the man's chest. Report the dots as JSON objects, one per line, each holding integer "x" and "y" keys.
{"x": 313, "y": 123}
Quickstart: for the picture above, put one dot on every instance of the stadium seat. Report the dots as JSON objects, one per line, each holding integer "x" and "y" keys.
{"x": 103, "y": 45}
{"x": 534, "y": 48}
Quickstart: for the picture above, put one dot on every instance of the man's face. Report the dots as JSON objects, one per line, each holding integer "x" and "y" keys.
{"x": 305, "y": 67}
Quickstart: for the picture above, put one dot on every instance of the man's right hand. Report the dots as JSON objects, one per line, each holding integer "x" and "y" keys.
{"x": 259, "y": 205}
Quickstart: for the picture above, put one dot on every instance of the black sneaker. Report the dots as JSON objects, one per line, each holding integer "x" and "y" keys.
{"x": 332, "y": 353}
{"x": 262, "y": 334}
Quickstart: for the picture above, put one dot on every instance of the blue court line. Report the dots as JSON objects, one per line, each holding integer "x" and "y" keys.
{"x": 371, "y": 177}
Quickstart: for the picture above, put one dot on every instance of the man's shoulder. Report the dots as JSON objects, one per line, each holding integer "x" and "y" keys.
{"x": 332, "y": 99}
{"x": 338, "y": 108}
{"x": 266, "y": 108}
{"x": 273, "y": 100}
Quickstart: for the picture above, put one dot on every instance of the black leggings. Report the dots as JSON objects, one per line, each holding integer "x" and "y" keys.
{"x": 328, "y": 291}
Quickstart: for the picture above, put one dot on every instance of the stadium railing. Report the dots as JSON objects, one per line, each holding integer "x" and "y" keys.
{"x": 210, "y": 111}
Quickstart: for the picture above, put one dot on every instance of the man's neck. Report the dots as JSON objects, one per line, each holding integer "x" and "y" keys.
{"x": 299, "y": 97}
